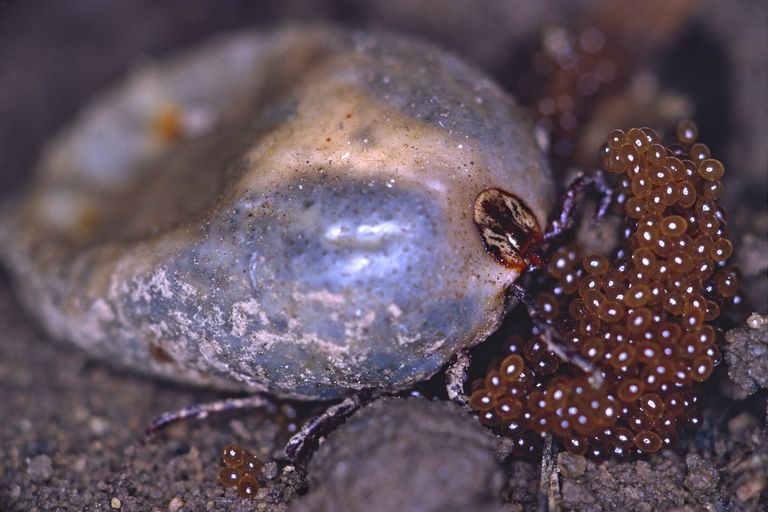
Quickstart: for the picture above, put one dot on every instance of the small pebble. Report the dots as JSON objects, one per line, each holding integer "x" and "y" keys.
{"x": 24, "y": 425}
{"x": 701, "y": 475}
{"x": 741, "y": 423}
{"x": 270, "y": 470}
{"x": 15, "y": 492}
{"x": 175, "y": 504}
{"x": 756, "y": 321}
{"x": 571, "y": 465}
{"x": 80, "y": 464}
{"x": 750, "y": 488}
{"x": 40, "y": 468}
{"x": 98, "y": 426}
{"x": 116, "y": 503}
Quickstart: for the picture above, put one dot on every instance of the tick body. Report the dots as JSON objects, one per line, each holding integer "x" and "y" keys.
{"x": 289, "y": 212}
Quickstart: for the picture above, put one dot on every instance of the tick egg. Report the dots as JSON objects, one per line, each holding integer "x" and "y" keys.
{"x": 639, "y": 318}
{"x": 288, "y": 211}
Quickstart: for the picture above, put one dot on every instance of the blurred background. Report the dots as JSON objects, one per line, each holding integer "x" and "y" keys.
{"x": 54, "y": 56}
{"x": 665, "y": 60}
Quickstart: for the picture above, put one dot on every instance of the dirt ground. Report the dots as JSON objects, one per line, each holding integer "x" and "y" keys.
{"x": 72, "y": 439}
{"x": 71, "y": 429}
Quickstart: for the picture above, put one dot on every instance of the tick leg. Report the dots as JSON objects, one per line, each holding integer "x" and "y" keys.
{"x": 552, "y": 338}
{"x": 456, "y": 376}
{"x": 577, "y": 187}
{"x": 314, "y": 429}
{"x": 606, "y": 194}
{"x": 201, "y": 411}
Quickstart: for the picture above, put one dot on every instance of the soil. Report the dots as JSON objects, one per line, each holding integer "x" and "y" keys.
{"x": 72, "y": 429}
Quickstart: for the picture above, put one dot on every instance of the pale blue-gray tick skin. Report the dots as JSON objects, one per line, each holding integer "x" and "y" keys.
{"x": 288, "y": 212}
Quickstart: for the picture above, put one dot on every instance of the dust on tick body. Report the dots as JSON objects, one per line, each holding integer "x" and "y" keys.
{"x": 291, "y": 212}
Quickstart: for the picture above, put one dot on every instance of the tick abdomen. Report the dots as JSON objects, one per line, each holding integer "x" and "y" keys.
{"x": 289, "y": 212}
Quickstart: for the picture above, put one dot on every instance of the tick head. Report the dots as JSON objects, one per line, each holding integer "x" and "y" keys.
{"x": 508, "y": 229}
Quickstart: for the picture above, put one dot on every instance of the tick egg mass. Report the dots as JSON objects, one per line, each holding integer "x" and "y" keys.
{"x": 644, "y": 317}
{"x": 287, "y": 212}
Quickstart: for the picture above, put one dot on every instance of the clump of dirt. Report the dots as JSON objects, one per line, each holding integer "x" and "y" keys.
{"x": 747, "y": 353}
{"x": 406, "y": 454}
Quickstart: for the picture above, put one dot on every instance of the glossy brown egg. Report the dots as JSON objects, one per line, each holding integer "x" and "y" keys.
{"x": 643, "y": 317}
{"x": 241, "y": 471}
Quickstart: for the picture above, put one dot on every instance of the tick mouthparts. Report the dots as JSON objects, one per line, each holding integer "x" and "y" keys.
{"x": 534, "y": 257}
